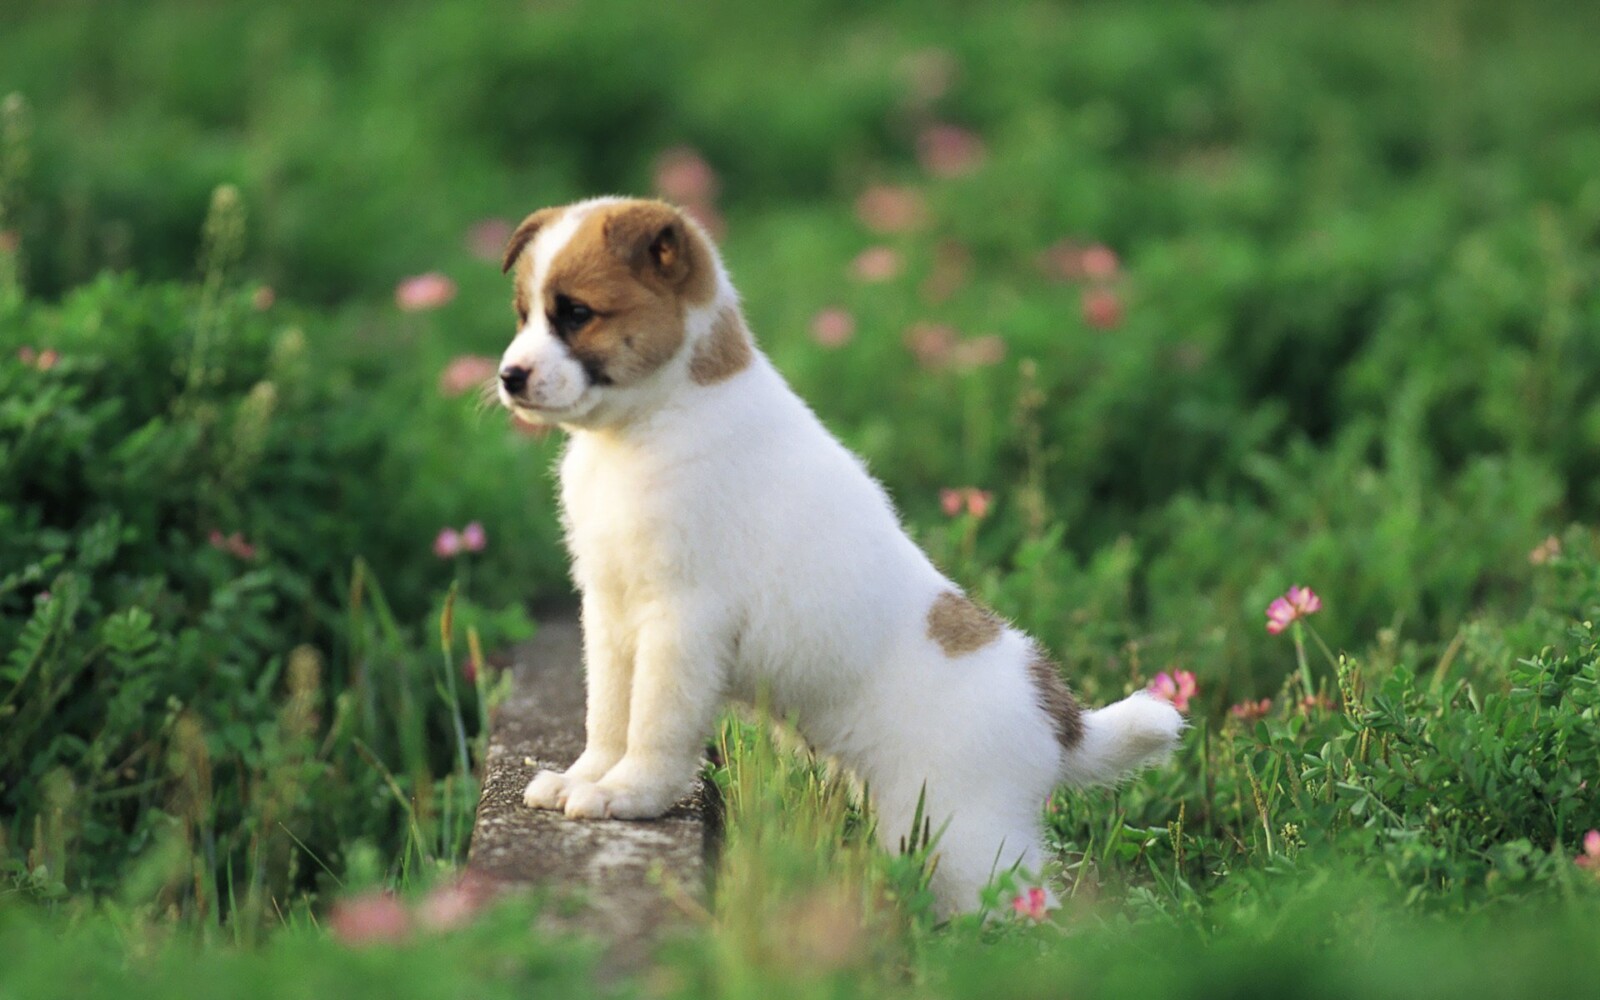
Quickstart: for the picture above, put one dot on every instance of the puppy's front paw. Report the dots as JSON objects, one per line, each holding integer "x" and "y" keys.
{"x": 612, "y": 800}
{"x": 547, "y": 790}
{"x": 588, "y": 801}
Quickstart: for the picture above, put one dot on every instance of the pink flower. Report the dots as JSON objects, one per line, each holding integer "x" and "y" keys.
{"x": 969, "y": 498}
{"x": 1292, "y": 606}
{"x": 931, "y": 343}
{"x": 833, "y": 327}
{"x": 1250, "y": 711}
{"x": 486, "y": 239}
{"x": 473, "y": 538}
{"x": 1033, "y": 904}
{"x": 468, "y": 371}
{"x": 1315, "y": 703}
{"x": 1069, "y": 260}
{"x": 262, "y": 298}
{"x": 949, "y": 150}
{"x": 885, "y": 208}
{"x": 9, "y": 241}
{"x": 424, "y": 291}
{"x": 447, "y": 544}
{"x": 876, "y": 264}
{"x": 234, "y": 544}
{"x": 1590, "y": 858}
{"x": 374, "y": 918}
{"x": 42, "y": 360}
{"x": 979, "y": 352}
{"x": 1546, "y": 551}
{"x": 451, "y": 906}
{"x": 1177, "y": 687}
{"x": 1099, "y": 262}
{"x": 1102, "y": 308}
{"x": 683, "y": 175}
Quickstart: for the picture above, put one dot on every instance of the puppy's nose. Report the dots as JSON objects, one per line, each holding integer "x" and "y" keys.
{"x": 514, "y": 378}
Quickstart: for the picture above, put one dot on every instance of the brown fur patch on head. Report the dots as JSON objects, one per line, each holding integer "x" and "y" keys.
{"x": 1066, "y": 716}
{"x": 638, "y": 265}
{"x": 662, "y": 247}
{"x": 960, "y": 626}
{"x": 526, "y": 230}
{"x": 724, "y": 352}
{"x": 521, "y": 290}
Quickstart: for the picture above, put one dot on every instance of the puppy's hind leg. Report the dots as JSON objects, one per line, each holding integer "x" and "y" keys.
{"x": 982, "y": 828}
{"x": 608, "y": 670}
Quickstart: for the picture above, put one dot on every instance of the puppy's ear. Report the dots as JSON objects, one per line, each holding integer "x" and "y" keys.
{"x": 525, "y": 231}
{"x": 654, "y": 240}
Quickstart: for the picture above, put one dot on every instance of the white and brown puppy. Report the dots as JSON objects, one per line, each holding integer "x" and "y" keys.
{"x": 726, "y": 545}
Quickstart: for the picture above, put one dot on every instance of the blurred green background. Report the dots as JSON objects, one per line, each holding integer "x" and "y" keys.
{"x": 1200, "y": 301}
{"x": 1354, "y": 251}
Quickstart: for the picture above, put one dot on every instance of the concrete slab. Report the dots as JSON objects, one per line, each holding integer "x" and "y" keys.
{"x": 627, "y": 882}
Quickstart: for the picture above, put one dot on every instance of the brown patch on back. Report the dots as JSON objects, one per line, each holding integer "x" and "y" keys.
{"x": 1066, "y": 715}
{"x": 724, "y": 352}
{"x": 960, "y": 626}
{"x": 638, "y": 265}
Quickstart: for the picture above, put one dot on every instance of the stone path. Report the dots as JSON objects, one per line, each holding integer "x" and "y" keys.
{"x": 626, "y": 882}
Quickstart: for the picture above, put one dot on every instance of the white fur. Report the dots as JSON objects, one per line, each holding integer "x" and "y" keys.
{"x": 727, "y": 546}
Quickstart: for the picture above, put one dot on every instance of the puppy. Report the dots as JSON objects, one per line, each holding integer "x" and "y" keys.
{"x": 727, "y": 546}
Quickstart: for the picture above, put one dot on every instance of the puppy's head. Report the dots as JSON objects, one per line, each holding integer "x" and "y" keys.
{"x": 605, "y": 294}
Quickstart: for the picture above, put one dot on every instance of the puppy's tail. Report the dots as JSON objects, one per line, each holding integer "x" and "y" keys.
{"x": 1135, "y": 732}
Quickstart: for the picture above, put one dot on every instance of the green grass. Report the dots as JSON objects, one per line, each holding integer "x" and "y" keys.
{"x": 1356, "y": 348}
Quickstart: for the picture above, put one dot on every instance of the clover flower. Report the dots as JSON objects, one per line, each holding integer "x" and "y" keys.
{"x": 465, "y": 372}
{"x": 1291, "y": 607}
{"x": 833, "y": 327}
{"x": 1590, "y": 858}
{"x": 966, "y": 498}
{"x": 374, "y": 918}
{"x": 886, "y": 209}
{"x": 424, "y": 292}
{"x": 452, "y": 542}
{"x": 876, "y": 263}
{"x": 946, "y": 150}
{"x": 234, "y": 544}
{"x": 1177, "y": 687}
{"x": 486, "y": 239}
{"x": 1102, "y": 308}
{"x": 1033, "y": 904}
{"x": 1250, "y": 711}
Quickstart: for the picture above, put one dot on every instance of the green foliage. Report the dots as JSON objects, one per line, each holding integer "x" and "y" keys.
{"x": 185, "y": 652}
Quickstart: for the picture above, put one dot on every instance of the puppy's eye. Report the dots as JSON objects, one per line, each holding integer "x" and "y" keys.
{"x": 569, "y": 316}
